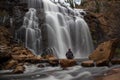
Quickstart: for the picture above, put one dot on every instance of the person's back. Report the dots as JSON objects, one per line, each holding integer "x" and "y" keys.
{"x": 69, "y": 54}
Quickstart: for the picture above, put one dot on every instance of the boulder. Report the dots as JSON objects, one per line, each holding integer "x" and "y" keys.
{"x": 102, "y": 63}
{"x": 41, "y": 66}
{"x": 19, "y": 69}
{"x": 104, "y": 52}
{"x": 22, "y": 54}
{"x": 10, "y": 64}
{"x": 54, "y": 62}
{"x": 89, "y": 63}
{"x": 64, "y": 63}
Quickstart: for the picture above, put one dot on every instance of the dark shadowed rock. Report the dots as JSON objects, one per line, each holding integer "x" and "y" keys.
{"x": 115, "y": 61}
{"x": 41, "y": 66}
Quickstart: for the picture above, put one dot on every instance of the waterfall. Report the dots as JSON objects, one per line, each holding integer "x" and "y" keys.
{"x": 31, "y": 31}
{"x": 65, "y": 27}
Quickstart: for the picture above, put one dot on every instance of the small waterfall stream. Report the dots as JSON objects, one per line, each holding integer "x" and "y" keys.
{"x": 31, "y": 31}
{"x": 65, "y": 27}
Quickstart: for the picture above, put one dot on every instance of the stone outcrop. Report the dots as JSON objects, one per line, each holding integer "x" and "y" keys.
{"x": 22, "y": 52}
{"x": 10, "y": 64}
{"x": 19, "y": 69}
{"x": 104, "y": 52}
{"x": 89, "y": 63}
{"x": 64, "y": 63}
{"x": 52, "y": 60}
{"x": 4, "y": 36}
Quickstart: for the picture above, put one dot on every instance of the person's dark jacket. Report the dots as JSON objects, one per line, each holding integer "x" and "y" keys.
{"x": 69, "y": 55}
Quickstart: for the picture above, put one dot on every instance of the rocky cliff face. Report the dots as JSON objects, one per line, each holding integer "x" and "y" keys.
{"x": 106, "y": 14}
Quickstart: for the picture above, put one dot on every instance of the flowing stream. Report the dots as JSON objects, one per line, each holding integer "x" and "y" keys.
{"x": 55, "y": 73}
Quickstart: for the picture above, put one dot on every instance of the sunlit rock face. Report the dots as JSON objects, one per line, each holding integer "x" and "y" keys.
{"x": 64, "y": 28}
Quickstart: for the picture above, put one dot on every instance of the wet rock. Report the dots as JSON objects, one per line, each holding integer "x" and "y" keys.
{"x": 50, "y": 57}
{"x": 102, "y": 63}
{"x": 104, "y": 52}
{"x": 19, "y": 69}
{"x": 54, "y": 62}
{"x": 98, "y": 34}
{"x": 10, "y": 64}
{"x": 16, "y": 49}
{"x": 34, "y": 59}
{"x": 5, "y": 54}
{"x": 64, "y": 63}
{"x": 89, "y": 63}
{"x": 4, "y": 36}
{"x": 22, "y": 54}
{"x": 41, "y": 66}
{"x": 115, "y": 61}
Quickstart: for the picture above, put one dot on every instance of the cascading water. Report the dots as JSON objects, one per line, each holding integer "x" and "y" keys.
{"x": 31, "y": 31}
{"x": 65, "y": 28}
{"x": 66, "y": 31}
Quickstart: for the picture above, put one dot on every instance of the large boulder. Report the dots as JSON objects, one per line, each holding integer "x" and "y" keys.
{"x": 104, "y": 52}
{"x": 64, "y": 63}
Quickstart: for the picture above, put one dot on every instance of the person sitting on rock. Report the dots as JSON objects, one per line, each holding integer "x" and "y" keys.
{"x": 69, "y": 54}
